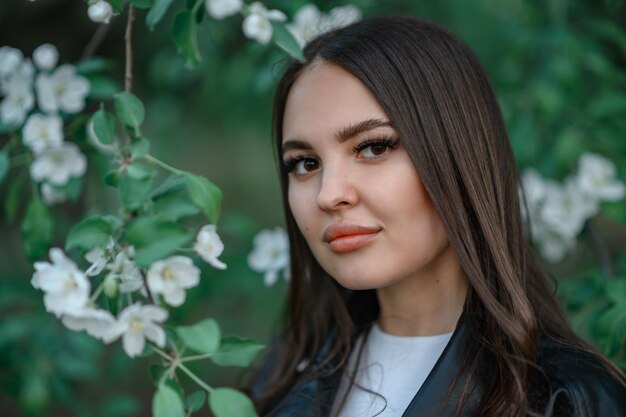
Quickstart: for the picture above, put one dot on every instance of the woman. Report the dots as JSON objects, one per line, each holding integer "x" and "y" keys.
{"x": 414, "y": 290}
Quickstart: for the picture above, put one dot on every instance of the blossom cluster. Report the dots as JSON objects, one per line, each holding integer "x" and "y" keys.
{"x": 68, "y": 289}
{"x": 270, "y": 255}
{"x": 558, "y": 211}
{"x": 308, "y": 22}
{"x": 36, "y": 95}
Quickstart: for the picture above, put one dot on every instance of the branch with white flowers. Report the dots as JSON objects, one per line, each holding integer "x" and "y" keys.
{"x": 119, "y": 275}
{"x": 558, "y": 212}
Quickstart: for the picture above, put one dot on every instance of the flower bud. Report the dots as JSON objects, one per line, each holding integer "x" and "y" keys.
{"x": 110, "y": 286}
{"x": 100, "y": 12}
{"x": 46, "y": 56}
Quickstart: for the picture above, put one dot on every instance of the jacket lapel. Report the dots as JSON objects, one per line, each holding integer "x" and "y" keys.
{"x": 437, "y": 396}
{"x": 314, "y": 397}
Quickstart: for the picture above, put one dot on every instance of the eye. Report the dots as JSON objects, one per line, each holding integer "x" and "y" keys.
{"x": 300, "y": 165}
{"x": 375, "y": 148}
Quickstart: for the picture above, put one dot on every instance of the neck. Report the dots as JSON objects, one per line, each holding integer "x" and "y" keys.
{"x": 428, "y": 303}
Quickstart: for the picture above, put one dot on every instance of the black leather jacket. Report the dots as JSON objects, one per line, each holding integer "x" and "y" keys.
{"x": 577, "y": 387}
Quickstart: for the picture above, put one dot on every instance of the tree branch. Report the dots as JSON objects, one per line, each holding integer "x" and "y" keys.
{"x": 95, "y": 41}
{"x": 601, "y": 250}
{"x": 128, "y": 73}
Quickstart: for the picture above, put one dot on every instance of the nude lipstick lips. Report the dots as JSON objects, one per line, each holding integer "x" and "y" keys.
{"x": 344, "y": 237}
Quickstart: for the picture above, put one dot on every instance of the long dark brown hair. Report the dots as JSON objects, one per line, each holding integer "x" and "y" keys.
{"x": 442, "y": 105}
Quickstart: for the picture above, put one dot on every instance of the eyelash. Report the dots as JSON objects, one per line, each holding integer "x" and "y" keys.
{"x": 289, "y": 165}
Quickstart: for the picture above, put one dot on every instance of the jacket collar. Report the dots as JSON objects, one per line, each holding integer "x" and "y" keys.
{"x": 315, "y": 396}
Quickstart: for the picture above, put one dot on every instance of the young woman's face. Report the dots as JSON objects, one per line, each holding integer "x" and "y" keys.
{"x": 353, "y": 190}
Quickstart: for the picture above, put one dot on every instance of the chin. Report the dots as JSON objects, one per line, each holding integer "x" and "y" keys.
{"x": 359, "y": 283}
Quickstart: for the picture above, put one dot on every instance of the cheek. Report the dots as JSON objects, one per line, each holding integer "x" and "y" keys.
{"x": 300, "y": 205}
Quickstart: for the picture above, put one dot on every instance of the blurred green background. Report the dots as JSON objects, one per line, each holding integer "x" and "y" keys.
{"x": 559, "y": 69}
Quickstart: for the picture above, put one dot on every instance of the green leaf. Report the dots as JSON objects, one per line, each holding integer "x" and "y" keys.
{"x": 103, "y": 127}
{"x": 142, "y": 4}
{"x": 155, "y": 239}
{"x": 610, "y": 330}
{"x": 203, "y": 337}
{"x": 616, "y": 291}
{"x": 118, "y": 5}
{"x": 167, "y": 403}
{"x": 113, "y": 178}
{"x": 138, "y": 170}
{"x": 185, "y": 37}
{"x": 173, "y": 206}
{"x": 5, "y": 163}
{"x": 134, "y": 191}
{"x": 176, "y": 387}
{"x": 285, "y": 40}
{"x": 156, "y": 372}
{"x": 92, "y": 65}
{"x": 174, "y": 181}
{"x": 129, "y": 109}
{"x": 37, "y": 230}
{"x": 12, "y": 199}
{"x": 227, "y": 402}
{"x": 121, "y": 405}
{"x": 157, "y": 12}
{"x": 195, "y": 401}
{"x": 90, "y": 233}
{"x": 204, "y": 194}
{"x": 139, "y": 148}
{"x": 102, "y": 87}
{"x": 72, "y": 188}
{"x": 237, "y": 351}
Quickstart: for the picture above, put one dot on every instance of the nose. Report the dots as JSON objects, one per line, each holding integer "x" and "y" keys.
{"x": 337, "y": 190}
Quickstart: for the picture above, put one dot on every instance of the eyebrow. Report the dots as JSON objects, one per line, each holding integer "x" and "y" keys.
{"x": 342, "y": 135}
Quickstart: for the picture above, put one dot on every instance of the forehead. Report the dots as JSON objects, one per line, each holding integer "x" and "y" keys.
{"x": 324, "y": 99}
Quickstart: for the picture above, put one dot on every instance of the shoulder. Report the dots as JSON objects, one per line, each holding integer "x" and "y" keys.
{"x": 579, "y": 384}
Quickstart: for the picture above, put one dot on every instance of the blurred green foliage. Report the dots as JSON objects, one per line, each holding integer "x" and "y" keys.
{"x": 558, "y": 68}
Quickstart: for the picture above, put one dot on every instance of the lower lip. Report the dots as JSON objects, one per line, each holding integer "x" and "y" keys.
{"x": 351, "y": 243}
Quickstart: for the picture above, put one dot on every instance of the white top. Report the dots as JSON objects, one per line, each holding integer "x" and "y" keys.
{"x": 394, "y": 367}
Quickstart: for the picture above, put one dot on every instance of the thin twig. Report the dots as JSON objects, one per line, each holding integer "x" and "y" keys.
{"x": 162, "y": 164}
{"x": 601, "y": 250}
{"x": 95, "y": 41}
{"x": 128, "y": 73}
{"x": 195, "y": 378}
{"x": 145, "y": 285}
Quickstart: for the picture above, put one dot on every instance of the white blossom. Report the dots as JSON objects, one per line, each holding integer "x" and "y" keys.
{"x": 553, "y": 246}
{"x": 565, "y": 209}
{"x": 18, "y": 90}
{"x": 136, "y": 323}
{"x": 597, "y": 178}
{"x": 62, "y": 90}
{"x": 99, "y": 257}
{"x": 10, "y": 59}
{"x": 257, "y": 24}
{"x": 270, "y": 254}
{"x": 52, "y": 195}
{"x": 46, "y": 56}
{"x": 341, "y": 16}
{"x": 219, "y": 9}
{"x": 96, "y": 322}
{"x": 42, "y": 131}
{"x": 309, "y": 22}
{"x": 209, "y": 246}
{"x": 57, "y": 165}
{"x": 66, "y": 287}
{"x": 124, "y": 269}
{"x": 171, "y": 277}
{"x": 100, "y": 12}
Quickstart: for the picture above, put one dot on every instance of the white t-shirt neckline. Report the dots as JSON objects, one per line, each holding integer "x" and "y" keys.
{"x": 394, "y": 367}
